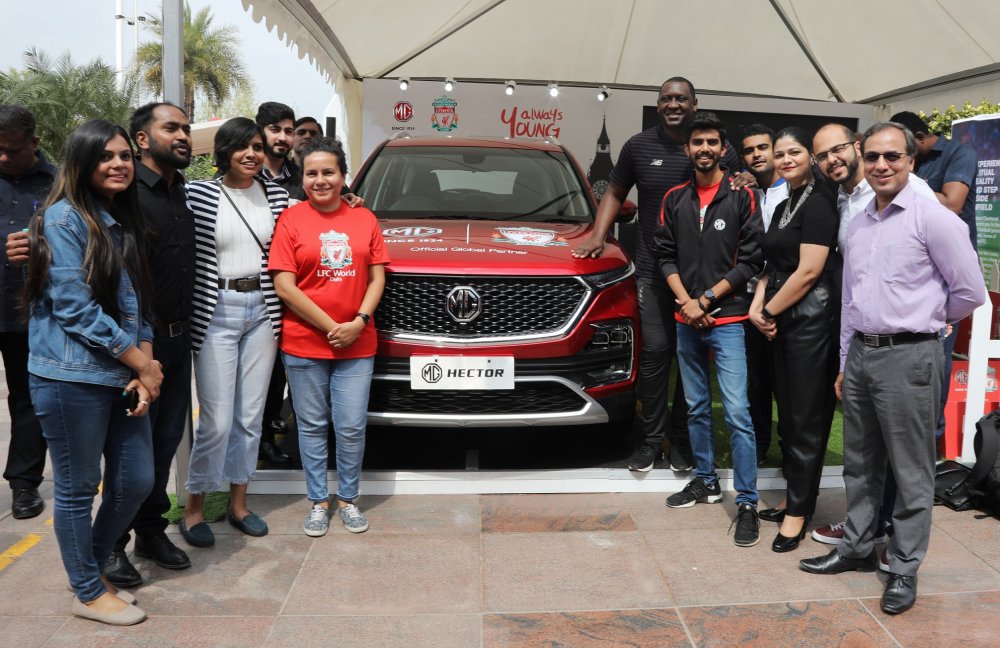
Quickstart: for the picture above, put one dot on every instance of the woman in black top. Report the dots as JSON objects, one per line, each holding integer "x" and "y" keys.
{"x": 797, "y": 306}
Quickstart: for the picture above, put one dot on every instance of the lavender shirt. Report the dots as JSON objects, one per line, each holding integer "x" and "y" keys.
{"x": 909, "y": 269}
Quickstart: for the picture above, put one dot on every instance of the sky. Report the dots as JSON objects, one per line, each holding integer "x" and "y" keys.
{"x": 86, "y": 28}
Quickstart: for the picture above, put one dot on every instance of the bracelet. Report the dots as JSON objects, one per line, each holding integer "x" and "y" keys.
{"x": 767, "y": 314}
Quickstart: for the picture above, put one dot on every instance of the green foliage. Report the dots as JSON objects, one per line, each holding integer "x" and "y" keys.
{"x": 202, "y": 167}
{"x": 213, "y": 66}
{"x": 64, "y": 95}
{"x": 940, "y": 122}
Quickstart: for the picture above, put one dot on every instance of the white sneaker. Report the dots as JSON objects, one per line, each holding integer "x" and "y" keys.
{"x": 317, "y": 522}
{"x": 354, "y": 520}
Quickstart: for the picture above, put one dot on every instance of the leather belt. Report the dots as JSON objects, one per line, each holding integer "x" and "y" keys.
{"x": 894, "y": 339}
{"x": 244, "y": 284}
{"x": 171, "y": 330}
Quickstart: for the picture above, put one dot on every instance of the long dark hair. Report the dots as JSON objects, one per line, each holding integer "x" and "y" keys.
{"x": 102, "y": 261}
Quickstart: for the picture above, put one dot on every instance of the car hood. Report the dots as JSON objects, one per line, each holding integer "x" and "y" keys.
{"x": 492, "y": 247}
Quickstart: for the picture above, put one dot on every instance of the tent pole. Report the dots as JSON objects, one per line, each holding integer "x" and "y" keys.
{"x": 173, "y": 52}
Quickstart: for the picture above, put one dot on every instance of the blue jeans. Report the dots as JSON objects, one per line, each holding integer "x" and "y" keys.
{"x": 693, "y": 347}
{"x": 321, "y": 388}
{"x": 232, "y": 371}
{"x": 80, "y": 423}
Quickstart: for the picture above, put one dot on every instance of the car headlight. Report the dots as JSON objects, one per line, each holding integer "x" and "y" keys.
{"x": 607, "y": 278}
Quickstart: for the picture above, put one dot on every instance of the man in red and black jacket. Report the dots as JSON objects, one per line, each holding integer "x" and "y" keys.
{"x": 708, "y": 247}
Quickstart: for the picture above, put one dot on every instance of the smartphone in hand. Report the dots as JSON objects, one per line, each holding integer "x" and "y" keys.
{"x": 131, "y": 399}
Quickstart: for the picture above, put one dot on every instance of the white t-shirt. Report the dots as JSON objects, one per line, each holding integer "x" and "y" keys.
{"x": 237, "y": 253}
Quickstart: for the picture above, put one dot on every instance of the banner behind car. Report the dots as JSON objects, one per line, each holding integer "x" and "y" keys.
{"x": 575, "y": 117}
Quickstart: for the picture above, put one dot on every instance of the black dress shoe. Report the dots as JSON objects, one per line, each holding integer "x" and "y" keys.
{"x": 772, "y": 515}
{"x": 160, "y": 550}
{"x": 27, "y": 503}
{"x": 784, "y": 544}
{"x": 900, "y": 594}
{"x": 834, "y": 563}
{"x": 119, "y": 571}
{"x": 272, "y": 454}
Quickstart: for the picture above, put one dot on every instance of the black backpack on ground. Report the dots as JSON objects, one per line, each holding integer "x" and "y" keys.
{"x": 960, "y": 488}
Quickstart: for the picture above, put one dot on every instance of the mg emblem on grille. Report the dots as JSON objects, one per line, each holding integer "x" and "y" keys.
{"x": 431, "y": 372}
{"x": 464, "y": 304}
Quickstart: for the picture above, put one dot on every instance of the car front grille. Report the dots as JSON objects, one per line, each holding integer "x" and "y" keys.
{"x": 417, "y": 306}
{"x": 396, "y": 397}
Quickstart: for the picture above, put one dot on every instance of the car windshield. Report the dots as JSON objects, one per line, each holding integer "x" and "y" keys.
{"x": 506, "y": 184}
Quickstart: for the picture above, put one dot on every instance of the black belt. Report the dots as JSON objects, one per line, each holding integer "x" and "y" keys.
{"x": 894, "y": 339}
{"x": 171, "y": 330}
{"x": 245, "y": 284}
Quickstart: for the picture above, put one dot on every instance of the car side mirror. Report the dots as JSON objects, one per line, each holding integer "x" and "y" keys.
{"x": 627, "y": 212}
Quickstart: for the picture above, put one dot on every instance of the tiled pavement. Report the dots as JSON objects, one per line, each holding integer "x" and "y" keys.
{"x": 513, "y": 570}
{"x": 562, "y": 570}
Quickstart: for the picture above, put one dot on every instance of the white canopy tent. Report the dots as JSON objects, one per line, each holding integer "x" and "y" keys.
{"x": 896, "y": 54}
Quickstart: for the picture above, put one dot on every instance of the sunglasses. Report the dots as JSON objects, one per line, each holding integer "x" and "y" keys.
{"x": 891, "y": 157}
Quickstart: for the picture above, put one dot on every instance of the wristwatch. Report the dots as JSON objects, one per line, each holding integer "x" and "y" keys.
{"x": 766, "y": 313}
{"x": 365, "y": 317}
{"x": 710, "y": 296}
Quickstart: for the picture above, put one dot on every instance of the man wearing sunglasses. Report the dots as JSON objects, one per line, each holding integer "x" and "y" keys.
{"x": 908, "y": 269}
{"x": 838, "y": 154}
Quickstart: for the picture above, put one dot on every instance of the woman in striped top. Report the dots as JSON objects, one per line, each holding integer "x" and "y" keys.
{"x": 234, "y": 327}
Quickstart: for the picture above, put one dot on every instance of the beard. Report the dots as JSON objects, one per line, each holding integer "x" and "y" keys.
{"x": 168, "y": 156}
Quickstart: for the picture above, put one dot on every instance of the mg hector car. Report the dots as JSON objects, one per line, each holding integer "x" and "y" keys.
{"x": 487, "y": 319}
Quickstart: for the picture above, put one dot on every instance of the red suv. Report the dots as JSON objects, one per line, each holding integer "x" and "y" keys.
{"x": 487, "y": 319}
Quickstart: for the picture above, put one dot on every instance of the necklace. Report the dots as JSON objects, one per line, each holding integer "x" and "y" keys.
{"x": 786, "y": 218}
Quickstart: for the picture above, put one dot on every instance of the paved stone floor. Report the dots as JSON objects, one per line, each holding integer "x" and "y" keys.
{"x": 507, "y": 570}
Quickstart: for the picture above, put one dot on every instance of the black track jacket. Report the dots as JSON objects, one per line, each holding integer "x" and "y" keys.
{"x": 728, "y": 246}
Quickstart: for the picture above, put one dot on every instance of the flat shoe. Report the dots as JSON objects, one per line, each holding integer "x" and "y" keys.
{"x": 251, "y": 524}
{"x": 200, "y": 535}
{"x": 129, "y": 616}
{"x": 128, "y": 597}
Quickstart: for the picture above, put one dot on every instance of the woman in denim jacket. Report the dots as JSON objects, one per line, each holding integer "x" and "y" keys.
{"x": 92, "y": 373}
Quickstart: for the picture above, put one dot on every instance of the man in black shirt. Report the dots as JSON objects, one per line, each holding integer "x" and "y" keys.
{"x": 25, "y": 180}
{"x": 163, "y": 135}
{"x": 654, "y": 161}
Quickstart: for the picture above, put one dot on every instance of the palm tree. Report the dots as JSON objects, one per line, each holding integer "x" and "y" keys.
{"x": 212, "y": 61}
{"x": 63, "y": 95}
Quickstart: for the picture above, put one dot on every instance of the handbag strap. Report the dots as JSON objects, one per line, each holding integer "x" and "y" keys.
{"x": 240, "y": 214}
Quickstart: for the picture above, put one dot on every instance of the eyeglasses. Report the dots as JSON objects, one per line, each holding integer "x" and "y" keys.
{"x": 834, "y": 150}
{"x": 891, "y": 157}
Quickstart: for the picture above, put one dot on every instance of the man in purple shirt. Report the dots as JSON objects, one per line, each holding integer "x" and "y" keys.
{"x": 908, "y": 268}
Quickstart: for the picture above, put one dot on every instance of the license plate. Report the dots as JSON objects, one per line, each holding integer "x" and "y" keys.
{"x": 461, "y": 372}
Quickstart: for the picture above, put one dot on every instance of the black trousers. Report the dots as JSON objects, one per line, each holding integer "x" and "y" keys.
{"x": 168, "y": 416}
{"x": 804, "y": 364}
{"x": 659, "y": 418}
{"x": 26, "y": 456}
{"x": 275, "y": 399}
{"x": 759, "y": 388}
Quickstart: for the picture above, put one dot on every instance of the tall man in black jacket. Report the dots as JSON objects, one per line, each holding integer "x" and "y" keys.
{"x": 708, "y": 247}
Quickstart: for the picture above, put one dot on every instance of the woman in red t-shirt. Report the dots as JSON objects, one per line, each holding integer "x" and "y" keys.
{"x": 327, "y": 260}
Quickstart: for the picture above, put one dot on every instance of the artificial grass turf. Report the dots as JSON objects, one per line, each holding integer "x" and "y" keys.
{"x": 216, "y": 505}
{"x": 723, "y": 453}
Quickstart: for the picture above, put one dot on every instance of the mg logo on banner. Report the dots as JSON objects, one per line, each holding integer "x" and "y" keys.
{"x": 403, "y": 111}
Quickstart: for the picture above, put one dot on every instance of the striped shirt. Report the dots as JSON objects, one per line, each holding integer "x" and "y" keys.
{"x": 203, "y": 200}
